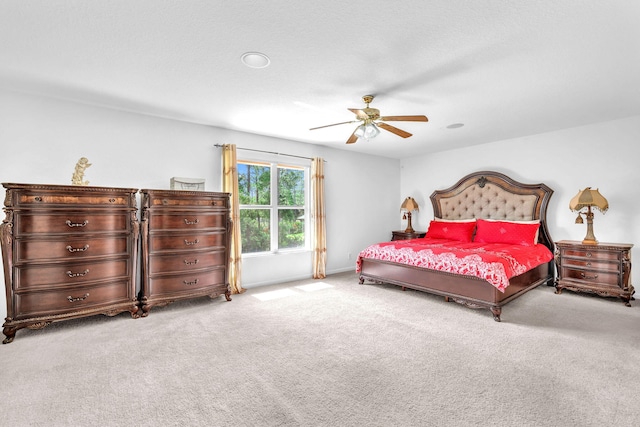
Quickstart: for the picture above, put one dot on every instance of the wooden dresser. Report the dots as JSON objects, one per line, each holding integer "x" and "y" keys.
{"x": 603, "y": 269}
{"x": 68, "y": 252}
{"x": 185, "y": 246}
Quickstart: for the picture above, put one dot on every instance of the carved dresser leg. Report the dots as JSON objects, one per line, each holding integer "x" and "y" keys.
{"x": 10, "y": 334}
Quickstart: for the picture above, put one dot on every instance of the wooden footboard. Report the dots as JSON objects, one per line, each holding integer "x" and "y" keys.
{"x": 467, "y": 290}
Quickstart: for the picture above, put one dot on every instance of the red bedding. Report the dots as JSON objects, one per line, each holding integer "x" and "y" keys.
{"x": 494, "y": 262}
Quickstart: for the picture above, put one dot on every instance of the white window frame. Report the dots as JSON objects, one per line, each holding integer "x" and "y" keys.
{"x": 274, "y": 207}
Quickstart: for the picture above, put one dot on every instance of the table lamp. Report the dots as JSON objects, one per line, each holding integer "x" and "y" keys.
{"x": 588, "y": 198}
{"x": 407, "y": 207}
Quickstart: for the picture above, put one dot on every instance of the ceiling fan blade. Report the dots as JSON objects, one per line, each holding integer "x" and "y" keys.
{"x": 395, "y": 130}
{"x": 359, "y": 113}
{"x": 335, "y": 124}
{"x": 353, "y": 138}
{"x": 405, "y": 119}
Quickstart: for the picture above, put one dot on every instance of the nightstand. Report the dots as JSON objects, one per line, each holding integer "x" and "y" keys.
{"x": 603, "y": 269}
{"x": 403, "y": 235}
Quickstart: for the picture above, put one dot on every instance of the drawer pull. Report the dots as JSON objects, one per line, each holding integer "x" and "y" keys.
{"x": 75, "y": 299}
{"x": 84, "y": 273}
{"x": 195, "y": 261}
{"x": 82, "y": 249}
{"x": 193, "y": 282}
{"x": 588, "y": 254}
{"x": 188, "y": 243}
{"x": 76, "y": 224}
{"x": 195, "y": 221}
{"x": 584, "y": 276}
{"x": 588, "y": 264}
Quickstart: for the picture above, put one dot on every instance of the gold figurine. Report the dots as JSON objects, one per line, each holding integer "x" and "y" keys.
{"x": 78, "y": 174}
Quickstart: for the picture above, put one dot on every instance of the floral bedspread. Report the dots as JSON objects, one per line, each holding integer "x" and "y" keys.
{"x": 494, "y": 262}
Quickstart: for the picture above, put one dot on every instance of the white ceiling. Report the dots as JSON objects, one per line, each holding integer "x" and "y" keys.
{"x": 504, "y": 68}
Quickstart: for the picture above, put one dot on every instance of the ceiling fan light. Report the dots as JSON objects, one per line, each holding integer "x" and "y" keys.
{"x": 367, "y": 131}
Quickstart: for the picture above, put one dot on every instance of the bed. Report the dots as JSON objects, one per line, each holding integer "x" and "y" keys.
{"x": 488, "y": 200}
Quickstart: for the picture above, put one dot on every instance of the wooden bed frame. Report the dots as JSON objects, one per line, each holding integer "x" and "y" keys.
{"x": 488, "y": 195}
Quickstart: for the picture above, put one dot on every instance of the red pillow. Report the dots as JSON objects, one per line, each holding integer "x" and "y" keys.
{"x": 455, "y": 230}
{"x": 506, "y": 232}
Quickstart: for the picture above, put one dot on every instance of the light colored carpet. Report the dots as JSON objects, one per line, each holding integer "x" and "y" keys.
{"x": 333, "y": 353}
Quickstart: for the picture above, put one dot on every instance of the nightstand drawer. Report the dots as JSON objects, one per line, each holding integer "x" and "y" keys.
{"x": 591, "y": 264}
{"x": 591, "y": 276}
{"x": 591, "y": 254}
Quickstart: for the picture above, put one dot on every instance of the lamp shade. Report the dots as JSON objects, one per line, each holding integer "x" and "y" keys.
{"x": 589, "y": 197}
{"x": 367, "y": 131}
{"x": 409, "y": 204}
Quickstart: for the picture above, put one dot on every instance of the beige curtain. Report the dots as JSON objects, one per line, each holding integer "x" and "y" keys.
{"x": 230, "y": 185}
{"x": 319, "y": 222}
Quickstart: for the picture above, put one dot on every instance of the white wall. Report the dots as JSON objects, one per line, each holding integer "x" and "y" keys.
{"x": 603, "y": 155}
{"x": 41, "y": 140}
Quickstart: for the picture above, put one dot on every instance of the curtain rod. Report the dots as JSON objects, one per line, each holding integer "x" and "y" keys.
{"x": 268, "y": 152}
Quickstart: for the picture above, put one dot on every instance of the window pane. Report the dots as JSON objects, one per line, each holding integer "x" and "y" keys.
{"x": 255, "y": 227}
{"x": 290, "y": 228}
{"x": 290, "y": 187}
{"x": 254, "y": 184}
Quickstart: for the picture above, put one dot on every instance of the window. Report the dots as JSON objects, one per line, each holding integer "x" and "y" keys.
{"x": 273, "y": 206}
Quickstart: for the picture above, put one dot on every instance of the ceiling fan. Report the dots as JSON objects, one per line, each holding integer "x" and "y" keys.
{"x": 371, "y": 121}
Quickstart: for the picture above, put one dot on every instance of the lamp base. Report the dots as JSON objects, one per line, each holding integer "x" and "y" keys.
{"x": 409, "y": 228}
{"x": 590, "y": 238}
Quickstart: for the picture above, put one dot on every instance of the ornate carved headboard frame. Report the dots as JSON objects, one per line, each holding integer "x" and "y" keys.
{"x": 492, "y": 195}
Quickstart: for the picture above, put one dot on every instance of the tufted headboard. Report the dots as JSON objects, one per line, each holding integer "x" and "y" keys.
{"x": 492, "y": 195}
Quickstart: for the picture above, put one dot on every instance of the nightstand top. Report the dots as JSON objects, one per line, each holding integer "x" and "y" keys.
{"x": 599, "y": 245}
{"x": 403, "y": 235}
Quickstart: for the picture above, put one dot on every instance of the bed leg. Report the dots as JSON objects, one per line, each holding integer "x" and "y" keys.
{"x": 496, "y": 313}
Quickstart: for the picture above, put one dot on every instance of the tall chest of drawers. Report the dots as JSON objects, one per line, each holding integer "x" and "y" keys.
{"x": 68, "y": 252}
{"x": 603, "y": 269}
{"x": 185, "y": 239}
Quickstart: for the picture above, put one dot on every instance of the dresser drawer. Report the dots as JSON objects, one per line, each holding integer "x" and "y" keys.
{"x": 70, "y": 222}
{"x": 187, "y": 221}
{"x": 590, "y": 276}
{"x": 186, "y": 241}
{"x": 91, "y": 196}
{"x": 64, "y": 301}
{"x": 591, "y": 254}
{"x": 42, "y": 276}
{"x": 187, "y": 282}
{"x": 190, "y": 200}
{"x": 70, "y": 249}
{"x": 186, "y": 262}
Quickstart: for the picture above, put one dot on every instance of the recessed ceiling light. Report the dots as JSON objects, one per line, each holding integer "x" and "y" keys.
{"x": 255, "y": 60}
{"x": 455, "y": 125}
